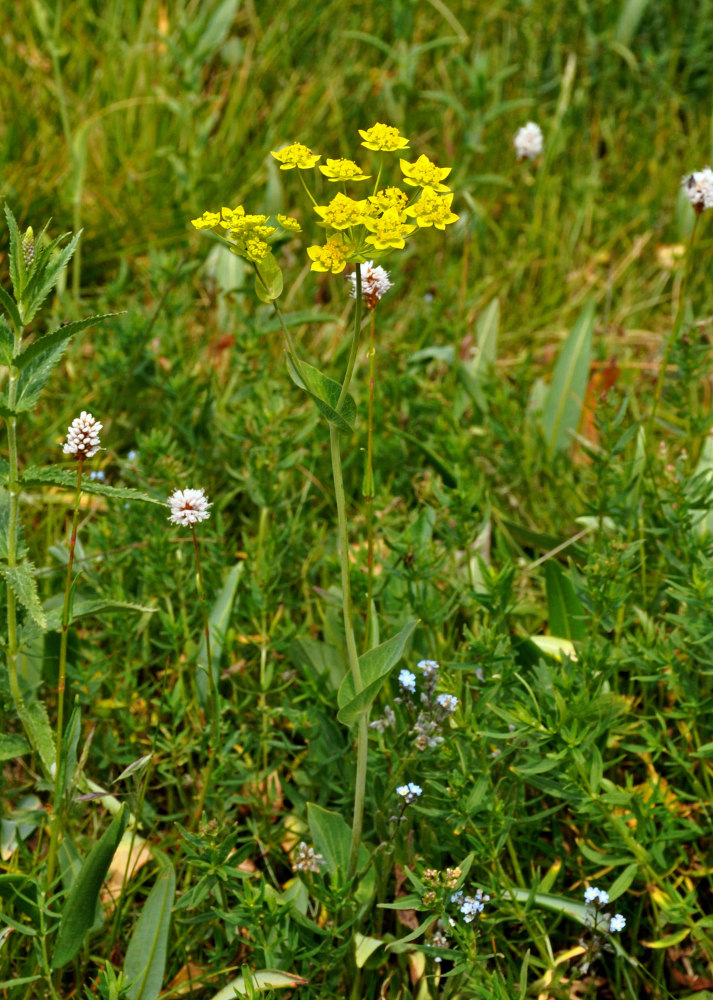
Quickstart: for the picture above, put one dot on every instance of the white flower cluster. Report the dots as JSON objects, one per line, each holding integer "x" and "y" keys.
{"x": 528, "y": 141}
{"x": 409, "y": 793}
{"x": 306, "y": 859}
{"x": 470, "y": 906}
{"x": 600, "y": 897}
{"x": 375, "y": 283}
{"x": 83, "y": 437}
{"x": 188, "y": 507}
{"x": 698, "y": 188}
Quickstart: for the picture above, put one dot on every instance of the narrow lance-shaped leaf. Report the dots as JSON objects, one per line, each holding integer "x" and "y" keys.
{"x": 375, "y": 667}
{"x": 79, "y": 908}
{"x": 563, "y": 404}
{"x": 45, "y": 273}
{"x": 145, "y": 960}
{"x": 217, "y": 625}
{"x": 58, "y": 336}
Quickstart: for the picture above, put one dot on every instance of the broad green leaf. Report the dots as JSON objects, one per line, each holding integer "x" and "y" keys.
{"x": 70, "y": 865}
{"x": 50, "y": 340}
{"x": 217, "y": 627}
{"x": 145, "y": 960}
{"x": 66, "y": 478}
{"x": 325, "y": 392}
{"x": 24, "y": 585}
{"x": 563, "y": 403}
{"x": 331, "y": 837}
{"x": 268, "y": 280}
{"x": 566, "y": 616}
{"x": 35, "y": 375}
{"x": 41, "y": 735}
{"x": 264, "y": 979}
{"x": 79, "y": 907}
{"x": 365, "y": 946}
{"x": 622, "y": 882}
{"x": 12, "y": 746}
{"x": 320, "y": 659}
{"x": 375, "y": 667}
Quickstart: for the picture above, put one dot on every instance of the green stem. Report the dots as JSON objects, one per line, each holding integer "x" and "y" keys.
{"x": 354, "y": 350}
{"x": 676, "y": 327}
{"x": 369, "y": 489}
{"x": 212, "y": 688}
{"x": 61, "y": 683}
{"x": 261, "y": 533}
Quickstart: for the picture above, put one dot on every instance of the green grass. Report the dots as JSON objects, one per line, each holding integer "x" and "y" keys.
{"x": 556, "y": 773}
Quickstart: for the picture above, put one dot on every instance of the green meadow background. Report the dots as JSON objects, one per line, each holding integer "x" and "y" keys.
{"x": 494, "y": 526}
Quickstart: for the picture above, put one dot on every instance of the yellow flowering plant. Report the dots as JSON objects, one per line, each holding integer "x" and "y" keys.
{"x": 358, "y": 231}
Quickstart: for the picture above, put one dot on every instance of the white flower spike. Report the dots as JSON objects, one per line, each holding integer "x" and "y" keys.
{"x": 83, "y": 437}
{"x": 375, "y": 283}
{"x": 698, "y": 188}
{"x": 528, "y": 141}
{"x": 188, "y": 507}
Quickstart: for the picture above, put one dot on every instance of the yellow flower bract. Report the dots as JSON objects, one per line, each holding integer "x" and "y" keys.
{"x": 385, "y": 138}
{"x": 433, "y": 209}
{"x": 296, "y": 155}
{"x": 389, "y": 230}
{"x": 330, "y": 257}
{"x": 343, "y": 212}
{"x": 343, "y": 170}
{"x": 424, "y": 173}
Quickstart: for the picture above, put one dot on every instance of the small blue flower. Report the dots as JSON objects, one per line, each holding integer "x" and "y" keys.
{"x": 97, "y": 474}
{"x": 429, "y": 667}
{"x": 598, "y": 897}
{"x": 407, "y": 680}
{"x": 132, "y": 456}
{"x": 448, "y": 702}
{"x": 409, "y": 792}
{"x": 617, "y": 923}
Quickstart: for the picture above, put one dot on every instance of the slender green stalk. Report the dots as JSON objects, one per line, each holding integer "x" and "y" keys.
{"x": 369, "y": 488}
{"x": 677, "y": 322}
{"x": 261, "y": 533}
{"x": 212, "y": 688}
{"x": 61, "y": 683}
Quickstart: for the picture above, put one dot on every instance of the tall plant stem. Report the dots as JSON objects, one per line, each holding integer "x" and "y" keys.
{"x": 352, "y": 655}
{"x": 261, "y": 533}
{"x": 212, "y": 688}
{"x": 369, "y": 489}
{"x": 61, "y": 683}
{"x": 13, "y": 488}
{"x": 678, "y": 318}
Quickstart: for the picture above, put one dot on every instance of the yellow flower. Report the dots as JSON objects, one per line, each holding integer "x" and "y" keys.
{"x": 289, "y": 224}
{"x": 296, "y": 155}
{"x": 433, "y": 209}
{"x": 207, "y": 221}
{"x": 331, "y": 257}
{"x": 424, "y": 173}
{"x": 343, "y": 170}
{"x": 383, "y": 137}
{"x": 388, "y": 230}
{"x": 231, "y": 218}
{"x": 391, "y": 197}
{"x": 342, "y": 212}
{"x": 256, "y": 250}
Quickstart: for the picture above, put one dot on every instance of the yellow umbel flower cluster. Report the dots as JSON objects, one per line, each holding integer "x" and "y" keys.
{"x": 248, "y": 236}
{"x": 372, "y": 227}
{"x": 357, "y": 230}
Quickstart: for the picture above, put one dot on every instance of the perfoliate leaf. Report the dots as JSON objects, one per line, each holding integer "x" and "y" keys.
{"x": 375, "y": 666}
{"x": 325, "y": 392}
{"x": 268, "y": 280}
{"x": 80, "y": 905}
